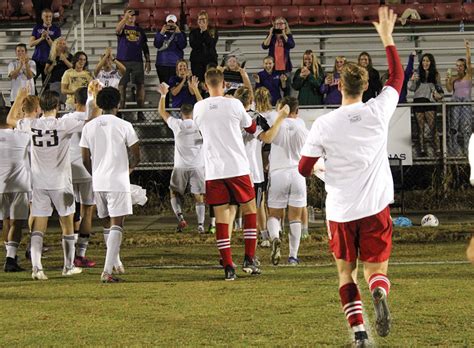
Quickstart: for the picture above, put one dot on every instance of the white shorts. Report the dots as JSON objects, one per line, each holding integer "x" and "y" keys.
{"x": 83, "y": 192}
{"x": 286, "y": 188}
{"x": 182, "y": 178}
{"x": 44, "y": 201}
{"x": 14, "y": 205}
{"x": 113, "y": 204}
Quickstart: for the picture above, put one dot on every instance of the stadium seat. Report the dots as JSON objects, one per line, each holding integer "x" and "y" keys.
{"x": 365, "y": 14}
{"x": 57, "y": 7}
{"x": 159, "y": 16}
{"x": 168, "y": 3}
{"x": 365, "y": 2}
{"x": 138, "y": 4}
{"x": 312, "y": 15}
{"x": 3, "y": 9}
{"x": 449, "y": 12}
{"x": 290, "y": 13}
{"x": 257, "y": 16}
{"x": 335, "y": 2}
{"x": 244, "y": 3}
{"x": 20, "y": 10}
{"x": 278, "y": 2}
{"x": 225, "y": 3}
{"x": 419, "y": 1}
{"x": 198, "y": 3}
{"x": 468, "y": 10}
{"x": 339, "y": 15}
{"x": 230, "y": 17}
{"x": 144, "y": 18}
{"x": 193, "y": 14}
{"x": 426, "y": 12}
{"x": 306, "y": 2}
{"x": 67, "y": 3}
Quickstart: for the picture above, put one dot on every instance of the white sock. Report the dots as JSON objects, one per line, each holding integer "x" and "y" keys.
{"x": 200, "y": 212}
{"x": 213, "y": 222}
{"x": 358, "y": 328}
{"x": 36, "y": 249}
{"x": 69, "y": 250}
{"x": 295, "y": 237}
{"x": 273, "y": 225}
{"x": 106, "y": 235}
{"x": 264, "y": 235}
{"x": 82, "y": 243}
{"x": 238, "y": 223}
{"x": 113, "y": 248}
{"x": 12, "y": 247}
{"x": 176, "y": 205}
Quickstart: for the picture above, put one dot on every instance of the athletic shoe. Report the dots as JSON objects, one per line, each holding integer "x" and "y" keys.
{"x": 11, "y": 265}
{"x": 361, "y": 340}
{"x": 276, "y": 255}
{"x": 221, "y": 262}
{"x": 265, "y": 243}
{"x": 304, "y": 234}
{"x": 182, "y": 224}
{"x": 38, "y": 274}
{"x": 249, "y": 266}
{"x": 383, "y": 319}
{"x": 211, "y": 229}
{"x": 67, "y": 272}
{"x": 109, "y": 278}
{"x": 80, "y": 261}
{"x": 119, "y": 269}
{"x": 293, "y": 261}
{"x": 200, "y": 228}
{"x": 229, "y": 273}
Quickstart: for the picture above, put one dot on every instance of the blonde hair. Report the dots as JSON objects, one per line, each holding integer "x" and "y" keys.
{"x": 354, "y": 79}
{"x": 30, "y": 104}
{"x": 263, "y": 100}
{"x": 314, "y": 64}
{"x": 287, "y": 27}
{"x": 334, "y": 70}
{"x": 244, "y": 94}
{"x": 214, "y": 77}
{"x": 54, "y": 47}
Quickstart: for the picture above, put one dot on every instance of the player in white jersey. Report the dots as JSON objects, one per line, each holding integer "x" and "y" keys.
{"x": 188, "y": 168}
{"x": 104, "y": 71}
{"x": 15, "y": 183}
{"x": 359, "y": 184}
{"x": 287, "y": 188}
{"x": 82, "y": 184}
{"x": 51, "y": 174}
{"x": 105, "y": 141}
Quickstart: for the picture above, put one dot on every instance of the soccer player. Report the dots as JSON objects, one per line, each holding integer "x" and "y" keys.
{"x": 188, "y": 168}
{"x": 82, "y": 184}
{"x": 51, "y": 172}
{"x": 104, "y": 142}
{"x": 287, "y": 187}
{"x": 359, "y": 184}
{"x": 15, "y": 184}
{"x": 220, "y": 120}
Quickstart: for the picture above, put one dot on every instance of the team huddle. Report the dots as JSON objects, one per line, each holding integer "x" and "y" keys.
{"x": 87, "y": 156}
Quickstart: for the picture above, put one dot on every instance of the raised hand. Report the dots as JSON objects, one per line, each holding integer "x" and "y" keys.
{"x": 162, "y": 89}
{"x": 94, "y": 87}
{"x": 385, "y": 25}
{"x": 194, "y": 84}
{"x": 256, "y": 78}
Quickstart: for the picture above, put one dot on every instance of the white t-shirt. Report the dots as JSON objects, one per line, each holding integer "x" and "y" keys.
{"x": 353, "y": 140}
{"x": 220, "y": 120}
{"x": 50, "y": 140}
{"x": 108, "y": 137}
{"x": 253, "y": 148}
{"x": 15, "y": 173}
{"x": 109, "y": 78}
{"x": 187, "y": 143}
{"x": 21, "y": 80}
{"x": 79, "y": 172}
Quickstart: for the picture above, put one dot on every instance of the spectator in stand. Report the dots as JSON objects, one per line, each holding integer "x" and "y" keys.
{"x": 330, "y": 86}
{"x": 105, "y": 72}
{"x": 271, "y": 79}
{"x": 308, "y": 80}
{"x": 59, "y": 61}
{"x": 131, "y": 45}
{"x": 21, "y": 72}
{"x": 375, "y": 86}
{"x": 203, "y": 41}
{"x": 41, "y": 39}
{"x": 408, "y": 73}
{"x": 279, "y": 42}
{"x": 170, "y": 42}
{"x": 232, "y": 74}
{"x": 181, "y": 86}
{"x": 76, "y": 77}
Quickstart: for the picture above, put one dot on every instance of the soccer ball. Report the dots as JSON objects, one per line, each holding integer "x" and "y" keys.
{"x": 429, "y": 221}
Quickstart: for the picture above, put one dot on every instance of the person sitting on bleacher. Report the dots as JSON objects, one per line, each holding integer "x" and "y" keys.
{"x": 21, "y": 72}
{"x": 105, "y": 72}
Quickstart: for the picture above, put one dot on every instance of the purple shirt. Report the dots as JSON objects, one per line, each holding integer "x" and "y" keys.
{"x": 272, "y": 83}
{"x": 184, "y": 96}
{"x": 333, "y": 95}
{"x": 42, "y": 49}
{"x": 131, "y": 43}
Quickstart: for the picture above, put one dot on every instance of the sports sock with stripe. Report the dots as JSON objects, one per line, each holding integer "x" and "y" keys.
{"x": 223, "y": 243}
{"x": 379, "y": 280}
{"x": 250, "y": 234}
{"x": 352, "y": 306}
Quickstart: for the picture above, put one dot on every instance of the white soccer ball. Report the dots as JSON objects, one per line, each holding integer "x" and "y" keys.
{"x": 429, "y": 221}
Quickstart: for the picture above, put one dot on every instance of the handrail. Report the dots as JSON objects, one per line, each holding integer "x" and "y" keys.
{"x": 84, "y": 19}
{"x": 73, "y": 29}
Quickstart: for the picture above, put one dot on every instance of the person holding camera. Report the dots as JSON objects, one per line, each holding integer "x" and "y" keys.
{"x": 170, "y": 42}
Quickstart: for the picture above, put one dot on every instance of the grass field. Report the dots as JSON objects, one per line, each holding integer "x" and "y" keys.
{"x": 189, "y": 304}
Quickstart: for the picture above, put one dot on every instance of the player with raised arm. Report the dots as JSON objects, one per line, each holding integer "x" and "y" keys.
{"x": 105, "y": 141}
{"x": 188, "y": 168}
{"x": 359, "y": 184}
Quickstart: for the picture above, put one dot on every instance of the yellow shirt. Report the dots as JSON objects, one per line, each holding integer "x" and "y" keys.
{"x": 75, "y": 80}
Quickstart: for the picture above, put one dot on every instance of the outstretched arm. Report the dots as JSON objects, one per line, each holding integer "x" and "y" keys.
{"x": 468, "y": 57}
{"x": 268, "y": 136}
{"x": 163, "y": 90}
{"x": 15, "y": 112}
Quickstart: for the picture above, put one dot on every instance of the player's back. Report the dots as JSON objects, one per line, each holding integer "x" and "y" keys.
{"x": 14, "y": 169}
{"x": 79, "y": 172}
{"x": 187, "y": 143}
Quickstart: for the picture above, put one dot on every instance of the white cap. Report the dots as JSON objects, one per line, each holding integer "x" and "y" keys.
{"x": 171, "y": 17}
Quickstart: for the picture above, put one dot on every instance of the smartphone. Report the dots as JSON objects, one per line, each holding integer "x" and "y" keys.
{"x": 170, "y": 27}
{"x": 277, "y": 31}
{"x": 136, "y": 12}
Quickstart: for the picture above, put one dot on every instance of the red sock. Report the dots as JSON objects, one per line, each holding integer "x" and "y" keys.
{"x": 223, "y": 243}
{"x": 250, "y": 234}
{"x": 351, "y": 304}
{"x": 379, "y": 280}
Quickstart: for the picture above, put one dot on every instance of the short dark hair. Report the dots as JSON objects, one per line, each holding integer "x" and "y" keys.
{"x": 108, "y": 98}
{"x": 21, "y": 45}
{"x": 292, "y": 102}
{"x": 4, "y": 110}
{"x": 80, "y": 96}
{"x": 75, "y": 59}
{"x": 186, "y": 109}
{"x": 49, "y": 101}
{"x": 214, "y": 77}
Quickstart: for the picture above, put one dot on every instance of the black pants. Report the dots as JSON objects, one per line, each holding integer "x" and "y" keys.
{"x": 164, "y": 74}
{"x": 39, "y": 6}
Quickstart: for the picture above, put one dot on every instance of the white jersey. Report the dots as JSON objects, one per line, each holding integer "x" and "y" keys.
{"x": 50, "y": 140}
{"x": 79, "y": 172}
{"x": 187, "y": 143}
{"x": 109, "y": 78}
{"x": 108, "y": 137}
{"x": 353, "y": 140}
{"x": 22, "y": 80}
{"x": 14, "y": 167}
{"x": 253, "y": 148}
{"x": 220, "y": 120}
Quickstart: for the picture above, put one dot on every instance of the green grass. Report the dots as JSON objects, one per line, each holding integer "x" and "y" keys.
{"x": 432, "y": 304}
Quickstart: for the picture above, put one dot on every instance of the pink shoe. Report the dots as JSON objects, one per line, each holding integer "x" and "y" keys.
{"x": 83, "y": 262}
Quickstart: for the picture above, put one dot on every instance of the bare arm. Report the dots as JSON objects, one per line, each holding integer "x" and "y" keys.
{"x": 194, "y": 85}
{"x": 135, "y": 156}
{"x": 14, "y": 73}
{"x": 120, "y": 67}
{"x": 29, "y": 73}
{"x": 15, "y": 112}
{"x": 176, "y": 89}
{"x": 99, "y": 65}
{"x": 468, "y": 58}
{"x": 86, "y": 159}
{"x": 120, "y": 25}
{"x": 163, "y": 90}
{"x": 268, "y": 136}
{"x": 268, "y": 39}
{"x": 246, "y": 80}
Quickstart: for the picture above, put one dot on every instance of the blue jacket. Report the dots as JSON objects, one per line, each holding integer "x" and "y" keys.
{"x": 175, "y": 50}
{"x": 287, "y": 47}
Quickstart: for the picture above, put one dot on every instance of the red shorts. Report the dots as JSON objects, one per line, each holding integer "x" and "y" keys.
{"x": 238, "y": 189}
{"x": 369, "y": 238}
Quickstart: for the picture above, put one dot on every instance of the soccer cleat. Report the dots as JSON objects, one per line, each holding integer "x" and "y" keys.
{"x": 229, "y": 273}
{"x": 304, "y": 234}
{"x": 109, "y": 278}
{"x": 293, "y": 261}
{"x": 200, "y": 228}
{"x": 80, "y": 261}
{"x": 361, "y": 340}
{"x": 67, "y": 272}
{"x": 265, "y": 243}
{"x": 276, "y": 254}
{"x": 250, "y": 266}
{"x": 38, "y": 274}
{"x": 211, "y": 229}
{"x": 383, "y": 319}
{"x": 11, "y": 265}
{"x": 182, "y": 224}
{"x": 119, "y": 269}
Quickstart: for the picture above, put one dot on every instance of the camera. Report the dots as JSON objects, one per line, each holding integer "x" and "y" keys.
{"x": 232, "y": 76}
{"x": 170, "y": 27}
{"x": 136, "y": 12}
{"x": 277, "y": 31}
